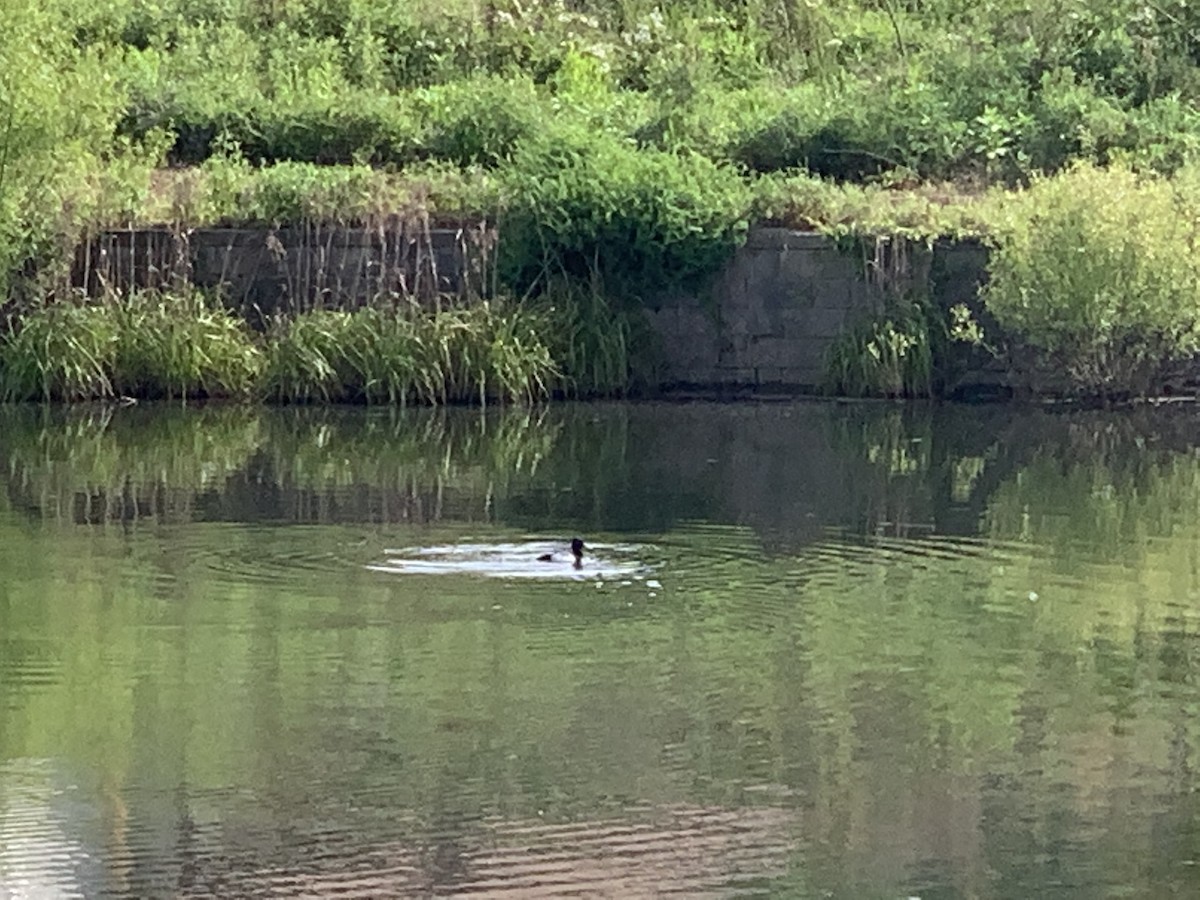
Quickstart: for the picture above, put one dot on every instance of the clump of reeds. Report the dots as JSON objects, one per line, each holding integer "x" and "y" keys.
{"x": 596, "y": 339}
{"x": 145, "y": 344}
{"x": 180, "y": 345}
{"x": 58, "y": 352}
{"x": 888, "y": 355}
{"x": 401, "y": 354}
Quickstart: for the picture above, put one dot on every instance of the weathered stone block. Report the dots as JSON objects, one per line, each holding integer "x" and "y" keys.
{"x": 735, "y": 375}
{"x": 773, "y": 352}
{"x": 821, "y": 322}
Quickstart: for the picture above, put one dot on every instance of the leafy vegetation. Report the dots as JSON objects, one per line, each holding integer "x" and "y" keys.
{"x": 1098, "y": 272}
{"x": 150, "y": 344}
{"x": 484, "y": 351}
{"x": 890, "y": 355}
{"x": 144, "y": 344}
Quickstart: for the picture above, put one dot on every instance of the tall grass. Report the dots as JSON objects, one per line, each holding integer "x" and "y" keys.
{"x": 181, "y": 345}
{"x": 400, "y": 354}
{"x": 146, "y": 344}
{"x": 59, "y": 352}
{"x": 603, "y": 345}
{"x": 888, "y": 355}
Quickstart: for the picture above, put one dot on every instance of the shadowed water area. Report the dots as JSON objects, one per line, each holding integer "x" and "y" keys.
{"x": 813, "y": 650}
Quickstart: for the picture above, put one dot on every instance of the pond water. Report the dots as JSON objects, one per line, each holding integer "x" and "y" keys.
{"x": 824, "y": 650}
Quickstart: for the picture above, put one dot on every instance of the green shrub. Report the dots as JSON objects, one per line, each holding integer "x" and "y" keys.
{"x": 1097, "y": 270}
{"x": 354, "y": 128}
{"x": 478, "y": 121}
{"x": 583, "y": 204}
{"x": 1162, "y": 135}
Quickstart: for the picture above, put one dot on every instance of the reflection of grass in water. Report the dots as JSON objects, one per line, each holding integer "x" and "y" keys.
{"x": 895, "y": 445}
{"x": 136, "y": 460}
{"x": 153, "y": 461}
{"x": 1106, "y": 503}
{"x": 325, "y": 448}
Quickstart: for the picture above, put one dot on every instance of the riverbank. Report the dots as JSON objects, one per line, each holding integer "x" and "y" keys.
{"x": 1079, "y": 287}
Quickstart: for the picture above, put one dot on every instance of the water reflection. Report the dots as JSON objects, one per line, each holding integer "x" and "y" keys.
{"x": 888, "y": 652}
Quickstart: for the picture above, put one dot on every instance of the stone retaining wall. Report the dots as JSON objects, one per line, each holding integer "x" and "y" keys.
{"x": 771, "y": 316}
{"x": 766, "y": 321}
{"x": 270, "y": 270}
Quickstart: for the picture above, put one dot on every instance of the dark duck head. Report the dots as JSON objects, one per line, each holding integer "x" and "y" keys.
{"x": 577, "y": 549}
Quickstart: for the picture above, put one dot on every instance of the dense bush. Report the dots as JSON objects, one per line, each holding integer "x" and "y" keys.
{"x": 582, "y": 205}
{"x": 1099, "y": 272}
{"x": 479, "y": 120}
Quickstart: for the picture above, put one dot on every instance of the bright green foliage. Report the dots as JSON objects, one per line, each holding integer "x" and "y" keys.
{"x": 479, "y": 120}
{"x": 1099, "y": 272}
{"x": 181, "y": 345}
{"x": 850, "y": 90}
{"x": 147, "y": 345}
{"x": 60, "y": 352}
{"x": 60, "y": 164}
{"x": 889, "y": 355}
{"x": 586, "y": 205}
{"x": 623, "y": 144}
{"x": 486, "y": 351}
{"x": 303, "y": 357}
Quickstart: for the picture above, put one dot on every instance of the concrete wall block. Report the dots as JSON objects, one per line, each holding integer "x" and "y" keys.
{"x": 736, "y": 375}
{"x": 774, "y": 352}
{"x": 769, "y": 317}
{"x": 822, "y": 322}
{"x": 759, "y": 275}
{"x": 784, "y": 239}
{"x": 753, "y": 321}
{"x": 800, "y": 376}
{"x": 957, "y": 273}
{"x": 863, "y": 298}
{"x": 792, "y": 353}
{"x": 789, "y": 377}
{"x": 833, "y": 293}
{"x": 689, "y": 345}
{"x": 783, "y": 294}
{"x": 817, "y": 265}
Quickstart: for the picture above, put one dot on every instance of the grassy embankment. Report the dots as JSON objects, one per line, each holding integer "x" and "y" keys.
{"x": 619, "y": 147}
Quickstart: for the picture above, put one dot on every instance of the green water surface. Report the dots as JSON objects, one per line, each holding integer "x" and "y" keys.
{"x": 868, "y": 651}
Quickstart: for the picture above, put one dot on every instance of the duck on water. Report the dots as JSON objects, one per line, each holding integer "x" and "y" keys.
{"x": 577, "y": 549}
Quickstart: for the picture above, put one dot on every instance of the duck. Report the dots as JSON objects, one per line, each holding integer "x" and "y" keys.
{"x": 577, "y": 549}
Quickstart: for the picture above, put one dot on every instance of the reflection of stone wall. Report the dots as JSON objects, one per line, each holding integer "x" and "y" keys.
{"x": 768, "y": 319}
